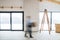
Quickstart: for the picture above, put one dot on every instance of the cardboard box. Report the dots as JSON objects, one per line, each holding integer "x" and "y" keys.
{"x": 57, "y": 28}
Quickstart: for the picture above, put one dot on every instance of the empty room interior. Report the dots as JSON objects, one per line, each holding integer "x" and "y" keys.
{"x": 43, "y": 15}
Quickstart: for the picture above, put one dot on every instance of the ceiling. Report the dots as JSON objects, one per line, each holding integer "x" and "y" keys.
{"x": 55, "y": 1}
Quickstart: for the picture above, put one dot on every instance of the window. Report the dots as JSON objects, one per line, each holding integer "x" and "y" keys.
{"x": 5, "y": 20}
{"x": 17, "y": 21}
{"x": 11, "y": 20}
{"x": 55, "y": 19}
{"x": 45, "y": 23}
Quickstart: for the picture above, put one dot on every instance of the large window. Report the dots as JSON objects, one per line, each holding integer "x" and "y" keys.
{"x": 5, "y": 20}
{"x": 11, "y": 20}
{"x": 55, "y": 19}
{"x": 45, "y": 25}
{"x": 17, "y": 21}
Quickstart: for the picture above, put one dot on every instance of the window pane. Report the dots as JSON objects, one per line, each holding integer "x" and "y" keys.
{"x": 5, "y": 20}
{"x": 17, "y": 21}
{"x": 45, "y": 25}
{"x": 55, "y": 19}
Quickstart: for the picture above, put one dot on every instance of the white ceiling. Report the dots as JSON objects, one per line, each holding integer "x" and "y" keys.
{"x": 57, "y": 0}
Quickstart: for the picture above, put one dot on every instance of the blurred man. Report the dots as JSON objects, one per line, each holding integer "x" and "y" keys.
{"x": 28, "y": 26}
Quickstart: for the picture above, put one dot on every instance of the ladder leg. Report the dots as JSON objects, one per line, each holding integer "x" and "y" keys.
{"x": 48, "y": 23}
{"x": 41, "y": 29}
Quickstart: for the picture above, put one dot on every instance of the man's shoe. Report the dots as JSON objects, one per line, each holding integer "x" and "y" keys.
{"x": 26, "y": 36}
{"x": 31, "y": 37}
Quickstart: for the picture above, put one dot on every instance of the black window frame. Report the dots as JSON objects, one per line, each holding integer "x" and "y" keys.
{"x": 11, "y": 20}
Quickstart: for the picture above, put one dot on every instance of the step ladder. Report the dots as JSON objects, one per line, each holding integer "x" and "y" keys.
{"x": 43, "y": 20}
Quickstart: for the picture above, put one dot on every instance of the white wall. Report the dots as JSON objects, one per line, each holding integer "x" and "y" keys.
{"x": 50, "y": 6}
{"x": 31, "y": 8}
{"x": 11, "y": 3}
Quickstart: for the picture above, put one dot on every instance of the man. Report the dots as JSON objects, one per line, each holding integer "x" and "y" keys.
{"x": 28, "y": 26}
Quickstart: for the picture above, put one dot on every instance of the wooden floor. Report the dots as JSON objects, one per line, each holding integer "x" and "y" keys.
{"x": 19, "y": 35}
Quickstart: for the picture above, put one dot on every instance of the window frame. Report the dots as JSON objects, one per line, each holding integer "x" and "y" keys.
{"x": 11, "y": 20}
